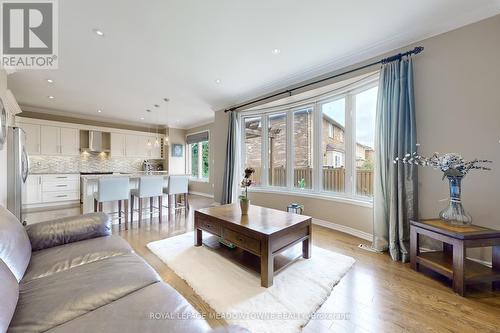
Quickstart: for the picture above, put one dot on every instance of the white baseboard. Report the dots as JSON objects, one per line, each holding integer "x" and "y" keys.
{"x": 206, "y": 195}
{"x": 344, "y": 229}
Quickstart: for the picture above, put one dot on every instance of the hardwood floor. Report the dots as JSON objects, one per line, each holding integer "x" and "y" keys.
{"x": 377, "y": 295}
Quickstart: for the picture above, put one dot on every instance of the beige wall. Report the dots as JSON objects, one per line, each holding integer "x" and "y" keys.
{"x": 457, "y": 85}
{"x": 352, "y": 216}
{"x": 3, "y": 152}
{"x": 176, "y": 165}
{"x": 204, "y": 187}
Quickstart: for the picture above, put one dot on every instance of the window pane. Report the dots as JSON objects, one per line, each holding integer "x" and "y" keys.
{"x": 194, "y": 159}
{"x": 303, "y": 148}
{"x": 333, "y": 145}
{"x": 205, "y": 159}
{"x": 366, "y": 104}
{"x": 277, "y": 149}
{"x": 253, "y": 146}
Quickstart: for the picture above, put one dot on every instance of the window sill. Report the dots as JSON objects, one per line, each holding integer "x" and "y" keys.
{"x": 199, "y": 180}
{"x": 357, "y": 201}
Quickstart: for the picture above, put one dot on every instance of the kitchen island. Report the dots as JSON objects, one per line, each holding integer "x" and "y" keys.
{"x": 88, "y": 186}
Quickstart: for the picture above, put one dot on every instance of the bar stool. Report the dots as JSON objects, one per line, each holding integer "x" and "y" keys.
{"x": 113, "y": 189}
{"x": 177, "y": 185}
{"x": 149, "y": 187}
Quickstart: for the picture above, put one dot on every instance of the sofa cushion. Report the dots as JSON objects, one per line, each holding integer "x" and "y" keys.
{"x": 15, "y": 246}
{"x": 61, "y": 258}
{"x": 55, "y": 299}
{"x": 67, "y": 230}
{"x": 156, "y": 308}
{"x": 9, "y": 289}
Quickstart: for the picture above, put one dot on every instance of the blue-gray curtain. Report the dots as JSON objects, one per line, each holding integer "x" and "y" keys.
{"x": 230, "y": 167}
{"x": 396, "y": 185}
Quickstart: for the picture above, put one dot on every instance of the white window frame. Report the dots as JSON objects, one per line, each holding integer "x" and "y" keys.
{"x": 314, "y": 161}
{"x": 199, "y": 177}
{"x": 349, "y": 196}
{"x": 265, "y": 152}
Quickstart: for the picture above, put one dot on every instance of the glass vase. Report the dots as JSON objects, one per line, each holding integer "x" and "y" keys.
{"x": 455, "y": 213}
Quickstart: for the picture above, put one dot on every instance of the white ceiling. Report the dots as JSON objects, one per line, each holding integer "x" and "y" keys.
{"x": 178, "y": 49}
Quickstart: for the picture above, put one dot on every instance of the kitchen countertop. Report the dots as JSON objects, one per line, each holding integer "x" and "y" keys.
{"x": 52, "y": 173}
{"x": 127, "y": 174}
{"x": 116, "y": 173}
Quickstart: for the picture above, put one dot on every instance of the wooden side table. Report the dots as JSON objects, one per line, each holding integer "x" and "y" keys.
{"x": 451, "y": 262}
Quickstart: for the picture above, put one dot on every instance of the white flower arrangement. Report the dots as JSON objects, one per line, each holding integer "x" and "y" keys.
{"x": 451, "y": 164}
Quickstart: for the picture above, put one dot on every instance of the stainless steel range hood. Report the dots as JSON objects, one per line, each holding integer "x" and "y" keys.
{"x": 95, "y": 141}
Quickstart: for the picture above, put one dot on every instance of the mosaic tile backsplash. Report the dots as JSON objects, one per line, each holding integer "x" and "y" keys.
{"x": 84, "y": 163}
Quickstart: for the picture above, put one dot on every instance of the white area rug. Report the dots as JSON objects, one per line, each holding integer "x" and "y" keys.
{"x": 235, "y": 293}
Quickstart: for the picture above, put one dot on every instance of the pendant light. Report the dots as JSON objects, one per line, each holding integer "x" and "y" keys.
{"x": 165, "y": 143}
{"x": 149, "y": 143}
{"x": 157, "y": 141}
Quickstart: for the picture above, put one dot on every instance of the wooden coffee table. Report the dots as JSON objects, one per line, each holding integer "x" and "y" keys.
{"x": 264, "y": 232}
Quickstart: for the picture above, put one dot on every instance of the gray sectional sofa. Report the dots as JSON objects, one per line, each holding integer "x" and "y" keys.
{"x": 72, "y": 275}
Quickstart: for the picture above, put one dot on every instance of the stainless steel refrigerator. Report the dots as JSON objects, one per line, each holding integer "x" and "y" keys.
{"x": 17, "y": 170}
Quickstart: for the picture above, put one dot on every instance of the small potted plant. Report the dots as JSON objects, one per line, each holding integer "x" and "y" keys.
{"x": 245, "y": 183}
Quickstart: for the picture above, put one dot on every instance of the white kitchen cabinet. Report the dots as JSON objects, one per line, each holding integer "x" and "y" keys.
{"x": 32, "y": 138}
{"x": 132, "y": 145}
{"x": 32, "y": 191}
{"x": 147, "y": 143}
{"x": 63, "y": 139}
{"x": 155, "y": 151}
{"x": 150, "y": 150}
{"x": 135, "y": 146}
{"x": 50, "y": 140}
{"x": 118, "y": 145}
{"x": 50, "y": 189}
{"x": 69, "y": 141}
{"x": 59, "y": 141}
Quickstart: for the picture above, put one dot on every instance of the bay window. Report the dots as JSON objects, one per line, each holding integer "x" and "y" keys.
{"x": 319, "y": 146}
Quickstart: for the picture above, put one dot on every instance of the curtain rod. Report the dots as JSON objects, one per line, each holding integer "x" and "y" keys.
{"x": 398, "y": 56}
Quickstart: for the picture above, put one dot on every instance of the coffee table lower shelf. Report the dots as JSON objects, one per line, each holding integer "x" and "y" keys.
{"x": 442, "y": 263}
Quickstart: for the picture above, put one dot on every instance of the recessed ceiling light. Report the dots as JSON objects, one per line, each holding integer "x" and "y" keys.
{"x": 276, "y": 51}
{"x": 166, "y": 99}
{"x": 50, "y": 81}
{"x": 218, "y": 81}
{"x": 156, "y": 106}
{"x": 50, "y": 97}
{"x": 99, "y": 111}
{"x": 148, "y": 110}
{"x": 142, "y": 118}
{"x": 98, "y": 32}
